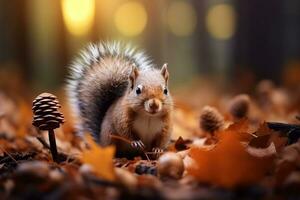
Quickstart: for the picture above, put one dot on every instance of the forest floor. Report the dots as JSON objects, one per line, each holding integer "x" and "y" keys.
{"x": 222, "y": 147}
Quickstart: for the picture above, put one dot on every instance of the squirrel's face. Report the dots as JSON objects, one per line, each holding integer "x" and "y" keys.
{"x": 151, "y": 99}
{"x": 149, "y": 93}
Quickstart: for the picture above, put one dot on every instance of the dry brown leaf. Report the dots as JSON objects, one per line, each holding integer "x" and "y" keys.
{"x": 185, "y": 122}
{"x": 262, "y": 152}
{"x": 100, "y": 159}
{"x": 25, "y": 119}
{"x": 240, "y": 129}
{"x": 283, "y": 170}
{"x": 280, "y": 142}
{"x": 1, "y": 152}
{"x": 228, "y": 164}
{"x": 260, "y": 141}
{"x": 288, "y": 161}
{"x": 179, "y": 145}
{"x": 266, "y": 136}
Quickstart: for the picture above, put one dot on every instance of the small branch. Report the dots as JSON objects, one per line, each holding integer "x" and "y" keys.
{"x": 43, "y": 142}
{"x": 129, "y": 142}
{"x": 9, "y": 155}
{"x": 120, "y": 138}
{"x": 145, "y": 153}
{"x": 253, "y": 135}
{"x": 154, "y": 152}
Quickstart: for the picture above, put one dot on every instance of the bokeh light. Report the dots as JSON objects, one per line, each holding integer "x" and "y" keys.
{"x": 131, "y": 18}
{"x": 220, "y": 21}
{"x": 181, "y": 18}
{"x": 78, "y": 15}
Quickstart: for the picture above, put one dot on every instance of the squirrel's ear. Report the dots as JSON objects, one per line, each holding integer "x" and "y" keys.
{"x": 165, "y": 73}
{"x": 133, "y": 75}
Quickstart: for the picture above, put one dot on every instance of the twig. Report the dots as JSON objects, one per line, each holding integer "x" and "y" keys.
{"x": 154, "y": 152}
{"x": 129, "y": 142}
{"x": 120, "y": 138}
{"x": 145, "y": 153}
{"x": 43, "y": 142}
{"x": 9, "y": 155}
{"x": 253, "y": 135}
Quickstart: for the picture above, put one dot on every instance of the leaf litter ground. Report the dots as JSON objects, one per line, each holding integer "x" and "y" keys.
{"x": 248, "y": 158}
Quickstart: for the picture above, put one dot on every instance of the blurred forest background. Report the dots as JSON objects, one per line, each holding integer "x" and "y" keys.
{"x": 234, "y": 43}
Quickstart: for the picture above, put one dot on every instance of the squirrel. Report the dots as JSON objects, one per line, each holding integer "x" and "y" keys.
{"x": 115, "y": 89}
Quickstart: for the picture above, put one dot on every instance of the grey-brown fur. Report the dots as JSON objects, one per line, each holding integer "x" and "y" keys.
{"x": 103, "y": 93}
{"x": 92, "y": 88}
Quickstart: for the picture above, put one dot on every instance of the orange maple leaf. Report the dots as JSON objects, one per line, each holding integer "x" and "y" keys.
{"x": 100, "y": 159}
{"x": 228, "y": 164}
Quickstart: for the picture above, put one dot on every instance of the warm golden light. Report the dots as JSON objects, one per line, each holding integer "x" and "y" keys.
{"x": 78, "y": 15}
{"x": 131, "y": 18}
{"x": 181, "y": 18}
{"x": 220, "y": 21}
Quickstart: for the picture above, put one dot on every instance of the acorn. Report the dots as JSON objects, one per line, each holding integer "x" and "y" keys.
{"x": 170, "y": 165}
{"x": 47, "y": 117}
{"x": 239, "y": 106}
{"x": 126, "y": 178}
{"x": 211, "y": 120}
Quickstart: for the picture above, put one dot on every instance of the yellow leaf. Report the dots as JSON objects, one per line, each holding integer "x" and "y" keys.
{"x": 100, "y": 159}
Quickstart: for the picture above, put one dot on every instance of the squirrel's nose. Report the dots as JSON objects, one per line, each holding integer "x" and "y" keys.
{"x": 153, "y": 105}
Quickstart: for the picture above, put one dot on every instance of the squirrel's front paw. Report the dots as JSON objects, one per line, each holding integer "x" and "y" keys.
{"x": 157, "y": 150}
{"x": 138, "y": 144}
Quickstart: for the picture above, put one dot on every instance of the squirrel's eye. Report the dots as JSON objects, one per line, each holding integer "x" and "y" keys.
{"x": 138, "y": 90}
{"x": 165, "y": 91}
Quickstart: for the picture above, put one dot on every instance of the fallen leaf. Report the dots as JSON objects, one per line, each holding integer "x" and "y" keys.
{"x": 260, "y": 141}
{"x": 1, "y": 153}
{"x": 25, "y": 119}
{"x": 288, "y": 161}
{"x": 283, "y": 170}
{"x": 293, "y": 179}
{"x": 100, "y": 159}
{"x": 228, "y": 164}
{"x": 279, "y": 142}
{"x": 262, "y": 152}
{"x": 239, "y": 129}
{"x": 265, "y": 136}
{"x": 180, "y": 144}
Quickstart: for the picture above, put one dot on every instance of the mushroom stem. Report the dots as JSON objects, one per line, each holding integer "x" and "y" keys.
{"x": 52, "y": 142}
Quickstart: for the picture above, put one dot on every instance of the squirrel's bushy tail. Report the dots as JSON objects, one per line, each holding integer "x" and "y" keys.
{"x": 99, "y": 76}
